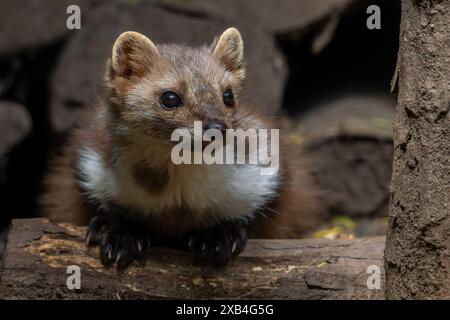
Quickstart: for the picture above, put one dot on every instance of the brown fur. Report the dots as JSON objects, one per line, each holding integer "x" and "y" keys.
{"x": 138, "y": 73}
{"x": 153, "y": 180}
{"x": 297, "y": 209}
{"x": 62, "y": 199}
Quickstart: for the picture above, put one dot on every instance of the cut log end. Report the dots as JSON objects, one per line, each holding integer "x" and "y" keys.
{"x": 38, "y": 254}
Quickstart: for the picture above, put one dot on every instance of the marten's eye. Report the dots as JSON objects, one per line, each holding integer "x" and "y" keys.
{"x": 228, "y": 98}
{"x": 170, "y": 100}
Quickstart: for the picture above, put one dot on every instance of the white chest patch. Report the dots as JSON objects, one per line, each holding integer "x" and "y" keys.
{"x": 224, "y": 191}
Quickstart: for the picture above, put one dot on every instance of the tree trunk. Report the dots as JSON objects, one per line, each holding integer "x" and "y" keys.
{"x": 417, "y": 260}
{"x": 38, "y": 254}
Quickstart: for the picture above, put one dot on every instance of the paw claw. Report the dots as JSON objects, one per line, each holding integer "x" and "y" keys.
{"x": 120, "y": 241}
{"x": 88, "y": 238}
{"x": 119, "y": 255}
{"x": 233, "y": 248}
{"x": 139, "y": 246}
{"x": 219, "y": 243}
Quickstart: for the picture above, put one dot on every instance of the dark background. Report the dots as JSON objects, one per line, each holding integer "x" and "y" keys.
{"x": 314, "y": 58}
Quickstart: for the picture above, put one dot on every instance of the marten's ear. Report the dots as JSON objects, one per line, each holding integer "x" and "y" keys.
{"x": 133, "y": 54}
{"x": 228, "y": 50}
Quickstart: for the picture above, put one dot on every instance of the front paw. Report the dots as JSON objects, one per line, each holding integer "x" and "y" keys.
{"x": 218, "y": 244}
{"x": 120, "y": 240}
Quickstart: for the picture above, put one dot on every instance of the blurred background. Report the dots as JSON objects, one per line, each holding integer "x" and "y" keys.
{"x": 316, "y": 59}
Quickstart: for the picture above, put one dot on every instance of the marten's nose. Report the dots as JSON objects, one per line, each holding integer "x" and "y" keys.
{"x": 222, "y": 127}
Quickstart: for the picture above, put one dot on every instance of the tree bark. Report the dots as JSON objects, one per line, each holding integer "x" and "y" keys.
{"x": 417, "y": 259}
{"x": 38, "y": 254}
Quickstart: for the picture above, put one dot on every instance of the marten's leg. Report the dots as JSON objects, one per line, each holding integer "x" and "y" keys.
{"x": 121, "y": 239}
{"x": 217, "y": 244}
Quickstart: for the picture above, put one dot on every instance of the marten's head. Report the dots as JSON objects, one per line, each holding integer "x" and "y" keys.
{"x": 155, "y": 89}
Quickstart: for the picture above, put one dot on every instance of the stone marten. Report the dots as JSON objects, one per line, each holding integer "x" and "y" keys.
{"x": 117, "y": 176}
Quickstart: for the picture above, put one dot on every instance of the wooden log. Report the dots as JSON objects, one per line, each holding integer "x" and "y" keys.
{"x": 38, "y": 253}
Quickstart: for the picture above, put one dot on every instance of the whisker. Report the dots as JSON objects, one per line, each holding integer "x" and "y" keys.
{"x": 272, "y": 210}
{"x": 243, "y": 117}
